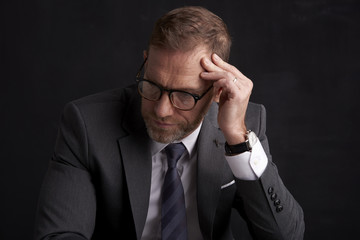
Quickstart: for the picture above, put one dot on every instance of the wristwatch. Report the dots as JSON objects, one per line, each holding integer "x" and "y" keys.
{"x": 246, "y": 146}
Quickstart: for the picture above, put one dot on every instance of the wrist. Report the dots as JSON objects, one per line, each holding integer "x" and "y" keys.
{"x": 235, "y": 137}
{"x": 237, "y": 148}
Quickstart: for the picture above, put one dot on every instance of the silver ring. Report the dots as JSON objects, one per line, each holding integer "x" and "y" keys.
{"x": 235, "y": 79}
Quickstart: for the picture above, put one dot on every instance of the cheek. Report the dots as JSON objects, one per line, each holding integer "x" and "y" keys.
{"x": 146, "y": 106}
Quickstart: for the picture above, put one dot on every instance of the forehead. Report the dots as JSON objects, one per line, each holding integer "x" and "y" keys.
{"x": 175, "y": 69}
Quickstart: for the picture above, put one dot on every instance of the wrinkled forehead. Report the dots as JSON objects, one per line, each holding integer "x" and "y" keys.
{"x": 195, "y": 53}
{"x": 176, "y": 69}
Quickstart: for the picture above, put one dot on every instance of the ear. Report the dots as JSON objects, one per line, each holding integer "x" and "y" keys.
{"x": 145, "y": 54}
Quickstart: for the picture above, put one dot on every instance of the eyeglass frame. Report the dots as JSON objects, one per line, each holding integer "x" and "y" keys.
{"x": 170, "y": 91}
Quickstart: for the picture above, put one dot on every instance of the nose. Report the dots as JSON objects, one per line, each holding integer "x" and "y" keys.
{"x": 163, "y": 107}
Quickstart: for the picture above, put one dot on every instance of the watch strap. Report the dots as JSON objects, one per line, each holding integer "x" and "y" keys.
{"x": 236, "y": 149}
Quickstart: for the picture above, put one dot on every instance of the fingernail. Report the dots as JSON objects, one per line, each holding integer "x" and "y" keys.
{"x": 216, "y": 56}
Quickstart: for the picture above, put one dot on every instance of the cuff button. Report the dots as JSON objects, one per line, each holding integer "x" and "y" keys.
{"x": 273, "y": 196}
{"x": 279, "y": 208}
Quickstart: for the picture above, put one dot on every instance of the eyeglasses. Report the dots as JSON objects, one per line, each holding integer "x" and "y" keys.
{"x": 179, "y": 99}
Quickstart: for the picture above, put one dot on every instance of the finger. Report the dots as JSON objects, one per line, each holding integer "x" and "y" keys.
{"x": 241, "y": 80}
{"x": 214, "y": 76}
{"x": 226, "y": 66}
{"x": 241, "y": 86}
{"x": 228, "y": 78}
{"x": 209, "y": 66}
{"x": 224, "y": 70}
{"x": 217, "y": 69}
{"x": 227, "y": 88}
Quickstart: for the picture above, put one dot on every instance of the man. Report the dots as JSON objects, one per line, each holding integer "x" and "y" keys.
{"x": 105, "y": 180}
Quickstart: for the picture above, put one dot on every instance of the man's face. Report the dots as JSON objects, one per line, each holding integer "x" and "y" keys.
{"x": 177, "y": 71}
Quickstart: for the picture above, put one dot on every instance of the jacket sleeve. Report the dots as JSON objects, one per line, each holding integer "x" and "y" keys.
{"x": 67, "y": 202}
{"x": 269, "y": 208}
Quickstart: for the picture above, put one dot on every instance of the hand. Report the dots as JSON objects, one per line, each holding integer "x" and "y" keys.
{"x": 233, "y": 97}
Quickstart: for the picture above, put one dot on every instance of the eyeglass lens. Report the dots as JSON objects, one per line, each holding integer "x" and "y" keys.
{"x": 179, "y": 99}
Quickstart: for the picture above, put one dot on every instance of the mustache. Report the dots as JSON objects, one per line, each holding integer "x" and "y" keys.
{"x": 163, "y": 119}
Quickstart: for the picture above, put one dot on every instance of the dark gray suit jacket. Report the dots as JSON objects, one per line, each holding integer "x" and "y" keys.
{"x": 98, "y": 182}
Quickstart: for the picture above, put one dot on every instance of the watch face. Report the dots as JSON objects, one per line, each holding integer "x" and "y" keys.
{"x": 252, "y": 139}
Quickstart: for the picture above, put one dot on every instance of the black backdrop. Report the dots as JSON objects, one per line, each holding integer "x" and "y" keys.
{"x": 303, "y": 57}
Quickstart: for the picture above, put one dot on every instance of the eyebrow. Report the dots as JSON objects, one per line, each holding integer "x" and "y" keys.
{"x": 189, "y": 90}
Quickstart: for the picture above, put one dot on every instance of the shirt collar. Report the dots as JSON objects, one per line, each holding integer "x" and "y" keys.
{"x": 189, "y": 143}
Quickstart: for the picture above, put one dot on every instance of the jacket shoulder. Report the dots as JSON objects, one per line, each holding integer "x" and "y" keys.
{"x": 107, "y": 111}
{"x": 120, "y": 95}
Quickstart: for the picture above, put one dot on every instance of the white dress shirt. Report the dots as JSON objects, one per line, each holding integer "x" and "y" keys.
{"x": 245, "y": 166}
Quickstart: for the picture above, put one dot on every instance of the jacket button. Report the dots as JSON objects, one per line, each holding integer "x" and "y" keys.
{"x": 273, "y": 196}
{"x": 279, "y": 208}
{"x": 277, "y": 202}
{"x": 270, "y": 190}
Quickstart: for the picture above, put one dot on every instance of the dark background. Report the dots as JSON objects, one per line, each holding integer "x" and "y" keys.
{"x": 303, "y": 57}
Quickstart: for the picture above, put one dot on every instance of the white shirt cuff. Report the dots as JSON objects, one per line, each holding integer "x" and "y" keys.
{"x": 249, "y": 165}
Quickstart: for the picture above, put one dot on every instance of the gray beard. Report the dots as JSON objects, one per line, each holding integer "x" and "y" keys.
{"x": 164, "y": 136}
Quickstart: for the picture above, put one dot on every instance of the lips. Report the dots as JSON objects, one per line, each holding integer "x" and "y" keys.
{"x": 161, "y": 124}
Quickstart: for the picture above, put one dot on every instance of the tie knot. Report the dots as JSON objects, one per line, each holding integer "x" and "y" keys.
{"x": 173, "y": 153}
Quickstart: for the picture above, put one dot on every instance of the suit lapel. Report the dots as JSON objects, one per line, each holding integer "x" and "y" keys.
{"x": 136, "y": 156}
{"x": 137, "y": 162}
{"x": 210, "y": 171}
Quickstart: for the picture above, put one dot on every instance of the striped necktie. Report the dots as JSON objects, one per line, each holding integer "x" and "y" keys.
{"x": 173, "y": 213}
